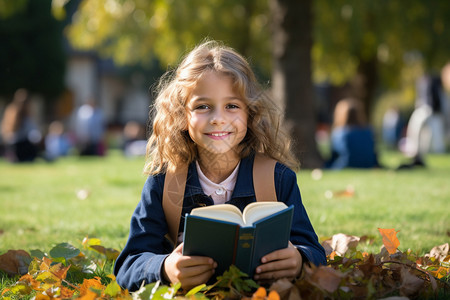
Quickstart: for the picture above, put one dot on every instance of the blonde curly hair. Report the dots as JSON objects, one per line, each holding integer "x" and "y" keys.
{"x": 170, "y": 144}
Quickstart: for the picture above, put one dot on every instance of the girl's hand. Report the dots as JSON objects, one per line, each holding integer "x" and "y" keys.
{"x": 190, "y": 271}
{"x": 283, "y": 263}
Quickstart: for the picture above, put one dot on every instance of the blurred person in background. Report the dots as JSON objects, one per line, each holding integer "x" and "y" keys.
{"x": 428, "y": 126}
{"x": 392, "y": 127}
{"x": 134, "y": 141}
{"x": 19, "y": 131}
{"x": 89, "y": 129}
{"x": 352, "y": 140}
{"x": 56, "y": 141}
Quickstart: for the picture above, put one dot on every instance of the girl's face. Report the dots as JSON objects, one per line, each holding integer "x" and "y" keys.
{"x": 216, "y": 115}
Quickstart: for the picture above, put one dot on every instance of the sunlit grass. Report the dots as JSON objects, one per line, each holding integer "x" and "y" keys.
{"x": 413, "y": 201}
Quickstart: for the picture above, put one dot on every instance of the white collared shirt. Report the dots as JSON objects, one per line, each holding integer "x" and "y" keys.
{"x": 219, "y": 192}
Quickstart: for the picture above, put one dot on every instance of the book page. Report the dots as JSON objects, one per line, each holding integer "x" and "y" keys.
{"x": 223, "y": 212}
{"x": 257, "y": 210}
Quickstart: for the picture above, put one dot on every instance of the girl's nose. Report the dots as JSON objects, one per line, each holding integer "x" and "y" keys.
{"x": 217, "y": 117}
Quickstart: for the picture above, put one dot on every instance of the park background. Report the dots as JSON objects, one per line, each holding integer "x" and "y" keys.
{"x": 311, "y": 53}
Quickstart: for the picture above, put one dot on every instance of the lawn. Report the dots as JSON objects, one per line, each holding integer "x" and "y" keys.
{"x": 43, "y": 204}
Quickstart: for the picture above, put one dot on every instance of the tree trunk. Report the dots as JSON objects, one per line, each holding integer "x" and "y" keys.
{"x": 291, "y": 77}
{"x": 365, "y": 90}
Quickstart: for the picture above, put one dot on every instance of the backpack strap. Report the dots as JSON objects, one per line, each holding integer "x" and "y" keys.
{"x": 173, "y": 196}
{"x": 263, "y": 178}
{"x": 175, "y": 183}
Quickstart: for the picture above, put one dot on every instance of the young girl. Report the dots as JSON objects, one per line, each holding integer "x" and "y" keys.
{"x": 211, "y": 114}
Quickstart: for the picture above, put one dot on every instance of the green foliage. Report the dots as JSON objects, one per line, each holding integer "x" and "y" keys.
{"x": 346, "y": 33}
{"x": 390, "y": 33}
{"x": 63, "y": 252}
{"x": 8, "y": 8}
{"x": 32, "y": 54}
{"x": 137, "y": 31}
{"x": 236, "y": 281}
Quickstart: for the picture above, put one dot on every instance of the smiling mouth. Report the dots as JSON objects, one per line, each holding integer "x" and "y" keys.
{"x": 219, "y": 134}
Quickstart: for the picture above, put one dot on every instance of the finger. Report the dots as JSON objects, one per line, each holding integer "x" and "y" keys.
{"x": 274, "y": 275}
{"x": 285, "y": 264}
{"x": 179, "y": 248}
{"x": 186, "y": 260}
{"x": 190, "y": 282}
{"x": 196, "y": 270}
{"x": 189, "y": 261}
{"x": 279, "y": 255}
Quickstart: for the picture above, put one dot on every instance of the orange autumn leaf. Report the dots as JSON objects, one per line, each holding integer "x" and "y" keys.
{"x": 30, "y": 281}
{"x": 332, "y": 255}
{"x": 89, "y": 295}
{"x": 259, "y": 294}
{"x": 66, "y": 292}
{"x": 59, "y": 271}
{"x": 390, "y": 239}
{"x": 273, "y": 295}
{"x": 45, "y": 264}
{"x": 4, "y": 292}
{"x": 40, "y": 296}
{"x": 90, "y": 283}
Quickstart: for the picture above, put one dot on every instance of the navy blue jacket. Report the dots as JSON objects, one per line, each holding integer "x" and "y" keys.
{"x": 143, "y": 256}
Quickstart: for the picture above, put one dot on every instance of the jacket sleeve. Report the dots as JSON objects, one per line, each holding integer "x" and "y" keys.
{"x": 143, "y": 255}
{"x": 303, "y": 235}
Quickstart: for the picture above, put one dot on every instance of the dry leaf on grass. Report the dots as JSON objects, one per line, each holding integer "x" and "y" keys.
{"x": 15, "y": 262}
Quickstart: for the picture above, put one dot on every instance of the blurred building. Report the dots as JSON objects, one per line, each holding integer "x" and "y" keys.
{"x": 121, "y": 99}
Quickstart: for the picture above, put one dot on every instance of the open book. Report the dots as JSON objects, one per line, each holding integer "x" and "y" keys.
{"x": 229, "y": 237}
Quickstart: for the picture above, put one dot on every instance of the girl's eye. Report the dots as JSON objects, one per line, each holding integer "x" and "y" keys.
{"x": 202, "y": 107}
{"x": 232, "y": 106}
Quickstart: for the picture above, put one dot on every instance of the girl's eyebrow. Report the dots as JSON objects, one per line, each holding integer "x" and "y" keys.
{"x": 200, "y": 98}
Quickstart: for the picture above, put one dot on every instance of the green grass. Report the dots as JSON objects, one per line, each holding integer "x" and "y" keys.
{"x": 415, "y": 202}
{"x": 40, "y": 208}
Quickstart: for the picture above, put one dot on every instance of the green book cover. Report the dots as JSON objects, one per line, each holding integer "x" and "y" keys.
{"x": 242, "y": 239}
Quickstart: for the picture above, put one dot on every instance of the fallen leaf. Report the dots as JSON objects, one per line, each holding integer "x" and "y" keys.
{"x": 390, "y": 239}
{"x": 15, "y": 262}
{"x": 110, "y": 253}
{"x": 59, "y": 271}
{"x": 260, "y": 294}
{"x": 273, "y": 295}
{"x": 325, "y": 278}
{"x": 340, "y": 243}
{"x": 369, "y": 268}
{"x": 411, "y": 284}
{"x": 439, "y": 252}
{"x": 85, "y": 288}
{"x": 285, "y": 289}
